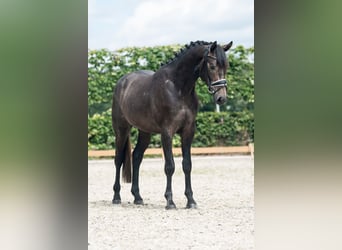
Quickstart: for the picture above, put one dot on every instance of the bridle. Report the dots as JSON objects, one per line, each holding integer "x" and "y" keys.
{"x": 215, "y": 86}
{"x": 218, "y": 85}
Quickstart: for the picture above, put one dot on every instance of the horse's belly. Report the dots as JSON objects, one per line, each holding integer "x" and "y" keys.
{"x": 148, "y": 127}
{"x": 141, "y": 117}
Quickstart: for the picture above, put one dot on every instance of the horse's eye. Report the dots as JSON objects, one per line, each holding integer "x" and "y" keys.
{"x": 212, "y": 67}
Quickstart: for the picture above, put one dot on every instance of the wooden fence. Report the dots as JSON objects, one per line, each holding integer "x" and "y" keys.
{"x": 177, "y": 151}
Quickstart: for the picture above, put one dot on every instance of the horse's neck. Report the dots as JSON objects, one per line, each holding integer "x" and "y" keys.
{"x": 184, "y": 70}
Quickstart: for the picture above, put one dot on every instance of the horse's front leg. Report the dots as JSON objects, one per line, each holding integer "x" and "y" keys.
{"x": 187, "y": 137}
{"x": 166, "y": 139}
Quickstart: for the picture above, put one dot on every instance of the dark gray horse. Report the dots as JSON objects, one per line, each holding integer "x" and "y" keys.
{"x": 165, "y": 102}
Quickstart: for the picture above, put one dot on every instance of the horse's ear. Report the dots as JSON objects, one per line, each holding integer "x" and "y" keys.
{"x": 227, "y": 46}
{"x": 213, "y": 46}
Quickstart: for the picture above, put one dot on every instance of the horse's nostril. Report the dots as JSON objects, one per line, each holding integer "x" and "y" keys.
{"x": 220, "y": 100}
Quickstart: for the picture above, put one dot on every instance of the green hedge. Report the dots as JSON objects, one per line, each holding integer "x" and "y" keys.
{"x": 233, "y": 126}
{"x": 213, "y": 129}
{"x": 106, "y": 67}
{"x": 224, "y": 129}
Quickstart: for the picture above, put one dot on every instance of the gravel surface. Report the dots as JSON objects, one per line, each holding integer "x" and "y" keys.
{"x": 223, "y": 188}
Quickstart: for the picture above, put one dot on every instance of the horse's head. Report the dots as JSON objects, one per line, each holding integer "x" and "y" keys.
{"x": 213, "y": 70}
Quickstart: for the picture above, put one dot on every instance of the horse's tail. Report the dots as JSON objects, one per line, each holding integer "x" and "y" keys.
{"x": 127, "y": 163}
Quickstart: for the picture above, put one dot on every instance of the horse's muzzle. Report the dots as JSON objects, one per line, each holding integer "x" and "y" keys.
{"x": 221, "y": 100}
{"x": 215, "y": 88}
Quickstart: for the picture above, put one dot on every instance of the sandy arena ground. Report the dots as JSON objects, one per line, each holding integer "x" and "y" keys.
{"x": 223, "y": 188}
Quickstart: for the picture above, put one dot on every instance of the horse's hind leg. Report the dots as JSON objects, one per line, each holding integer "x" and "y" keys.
{"x": 121, "y": 142}
{"x": 138, "y": 153}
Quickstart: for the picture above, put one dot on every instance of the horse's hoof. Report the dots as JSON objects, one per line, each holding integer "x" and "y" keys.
{"x": 191, "y": 205}
{"x": 139, "y": 202}
{"x": 116, "y": 201}
{"x": 170, "y": 205}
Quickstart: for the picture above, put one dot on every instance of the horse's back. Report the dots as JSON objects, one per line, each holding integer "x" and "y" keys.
{"x": 134, "y": 77}
{"x": 145, "y": 72}
{"x": 131, "y": 83}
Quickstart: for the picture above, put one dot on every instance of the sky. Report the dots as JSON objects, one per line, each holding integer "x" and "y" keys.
{"x": 114, "y": 24}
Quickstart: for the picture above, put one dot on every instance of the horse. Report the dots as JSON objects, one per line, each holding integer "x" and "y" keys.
{"x": 165, "y": 102}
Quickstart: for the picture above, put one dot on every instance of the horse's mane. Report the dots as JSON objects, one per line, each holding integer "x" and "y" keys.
{"x": 221, "y": 57}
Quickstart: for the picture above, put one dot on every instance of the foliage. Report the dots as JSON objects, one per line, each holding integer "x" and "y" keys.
{"x": 100, "y": 133}
{"x": 240, "y": 78}
{"x": 224, "y": 129}
{"x": 106, "y": 67}
{"x": 213, "y": 129}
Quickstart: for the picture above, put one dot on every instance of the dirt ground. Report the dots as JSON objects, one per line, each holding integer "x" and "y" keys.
{"x": 223, "y": 188}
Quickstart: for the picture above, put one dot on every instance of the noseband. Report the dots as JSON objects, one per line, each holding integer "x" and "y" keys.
{"x": 215, "y": 86}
